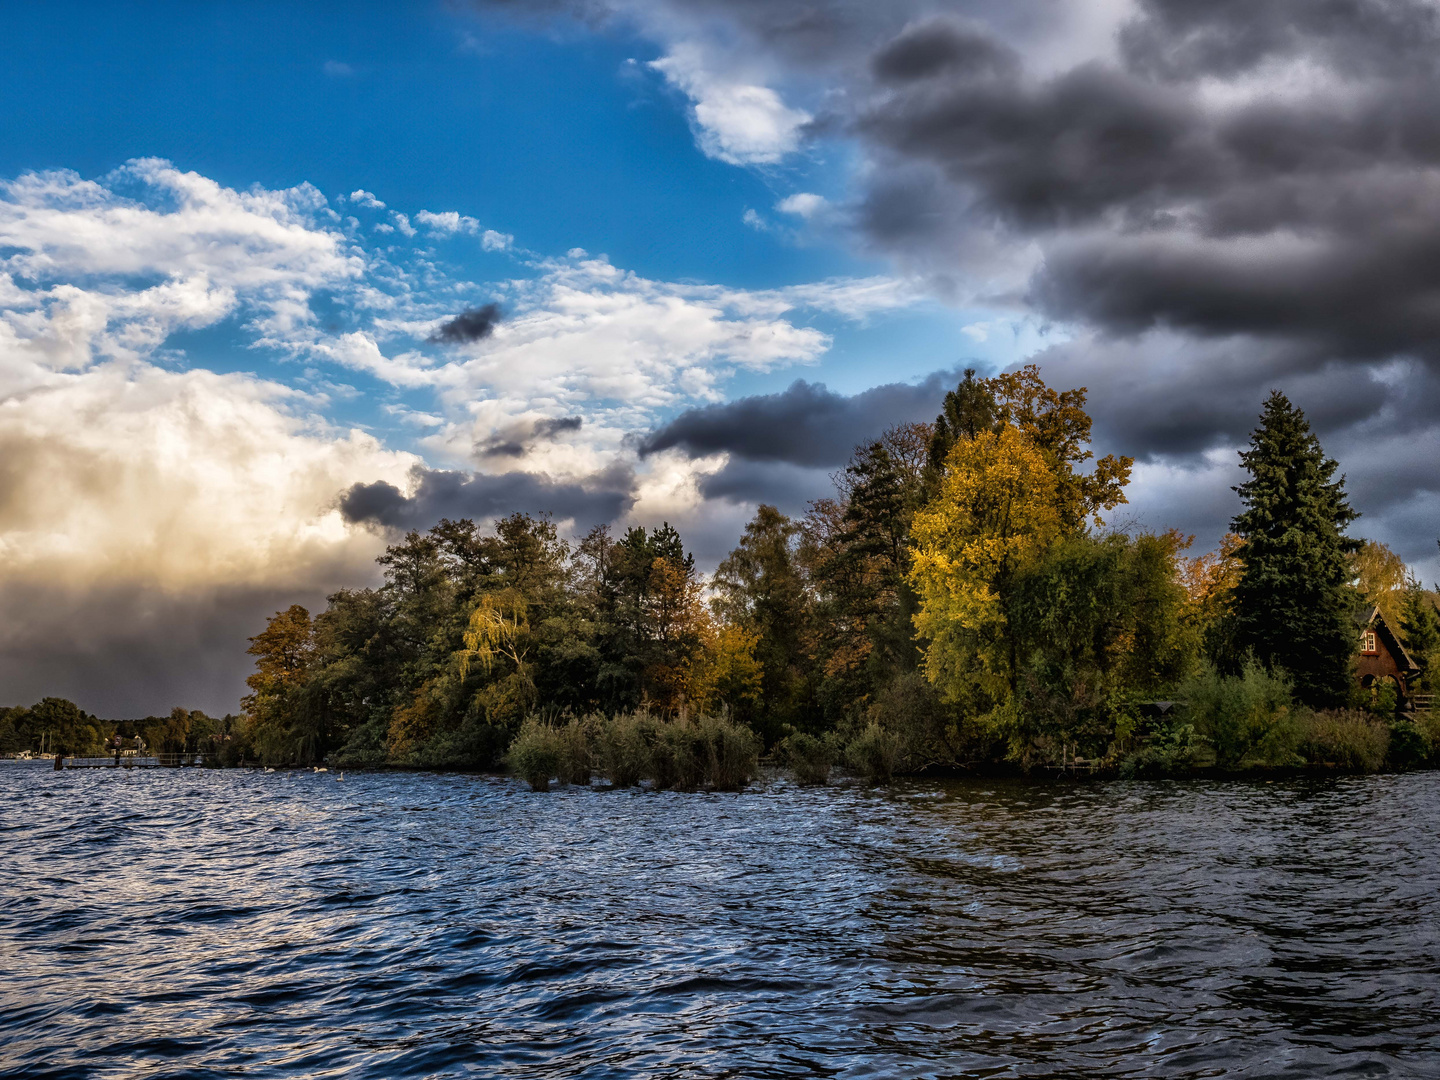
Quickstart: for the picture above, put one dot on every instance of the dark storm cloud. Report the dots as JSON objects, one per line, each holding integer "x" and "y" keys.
{"x": 517, "y": 440}
{"x": 1310, "y": 215}
{"x": 482, "y": 497}
{"x": 806, "y": 424}
{"x": 472, "y": 324}
{"x": 1387, "y": 471}
{"x": 1043, "y": 156}
{"x": 548, "y": 429}
{"x": 1183, "y": 39}
{"x": 1189, "y": 180}
{"x": 944, "y": 47}
{"x": 1164, "y": 396}
{"x": 1184, "y": 407}
{"x": 1369, "y": 295}
{"x": 789, "y": 487}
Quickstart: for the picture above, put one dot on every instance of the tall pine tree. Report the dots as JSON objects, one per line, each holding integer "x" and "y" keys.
{"x": 1293, "y": 603}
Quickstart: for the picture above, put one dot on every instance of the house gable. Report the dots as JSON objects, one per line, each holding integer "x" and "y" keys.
{"x": 1381, "y": 654}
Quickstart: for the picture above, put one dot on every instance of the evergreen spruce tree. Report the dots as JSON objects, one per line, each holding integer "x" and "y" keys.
{"x": 1419, "y": 628}
{"x": 1293, "y": 603}
{"x": 968, "y": 410}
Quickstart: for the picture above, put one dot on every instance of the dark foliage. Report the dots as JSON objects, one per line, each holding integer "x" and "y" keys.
{"x": 1293, "y": 603}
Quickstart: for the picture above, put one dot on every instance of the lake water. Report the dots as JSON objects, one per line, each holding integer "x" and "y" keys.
{"x": 190, "y": 923}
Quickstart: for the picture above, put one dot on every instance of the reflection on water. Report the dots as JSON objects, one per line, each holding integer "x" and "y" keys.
{"x": 193, "y": 923}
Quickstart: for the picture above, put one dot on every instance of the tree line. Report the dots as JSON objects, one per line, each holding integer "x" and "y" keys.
{"x": 963, "y": 598}
{"x": 59, "y": 726}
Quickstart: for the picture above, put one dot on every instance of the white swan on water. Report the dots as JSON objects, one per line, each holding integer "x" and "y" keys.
{"x": 340, "y": 777}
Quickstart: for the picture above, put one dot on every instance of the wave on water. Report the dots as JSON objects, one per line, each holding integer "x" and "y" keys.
{"x": 192, "y": 923}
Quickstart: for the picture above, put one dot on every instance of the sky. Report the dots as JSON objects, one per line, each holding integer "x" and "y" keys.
{"x": 279, "y": 282}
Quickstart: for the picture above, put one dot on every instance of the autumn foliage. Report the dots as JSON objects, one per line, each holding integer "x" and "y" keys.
{"x": 962, "y": 599}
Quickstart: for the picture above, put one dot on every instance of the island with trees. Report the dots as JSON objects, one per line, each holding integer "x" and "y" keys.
{"x": 962, "y": 601}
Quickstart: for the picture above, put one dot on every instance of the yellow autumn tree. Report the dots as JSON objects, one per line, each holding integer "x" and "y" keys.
{"x": 283, "y": 653}
{"x": 1380, "y": 576}
{"x": 413, "y": 722}
{"x": 497, "y": 640}
{"x": 1056, "y": 423}
{"x": 1209, "y": 582}
{"x": 1209, "y": 578}
{"x": 725, "y": 672}
{"x": 999, "y": 507}
{"x": 678, "y": 625}
{"x": 499, "y": 633}
{"x": 1006, "y": 487}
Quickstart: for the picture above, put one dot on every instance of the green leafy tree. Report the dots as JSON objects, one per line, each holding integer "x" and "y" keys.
{"x": 166, "y": 734}
{"x": 15, "y": 733}
{"x": 1293, "y": 601}
{"x": 856, "y": 553}
{"x": 1098, "y": 621}
{"x": 65, "y": 728}
{"x": 760, "y": 587}
{"x": 644, "y": 616}
{"x": 967, "y": 410}
{"x": 884, "y": 488}
{"x": 1420, "y": 630}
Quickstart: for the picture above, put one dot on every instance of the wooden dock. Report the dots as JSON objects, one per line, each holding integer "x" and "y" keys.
{"x": 132, "y": 760}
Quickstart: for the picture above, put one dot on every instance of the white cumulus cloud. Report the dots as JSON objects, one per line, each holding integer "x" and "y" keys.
{"x": 491, "y": 240}
{"x": 736, "y": 121}
{"x": 448, "y": 222}
{"x": 367, "y": 199}
{"x": 802, "y": 204}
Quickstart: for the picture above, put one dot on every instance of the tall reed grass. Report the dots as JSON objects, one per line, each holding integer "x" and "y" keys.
{"x": 1345, "y": 740}
{"x": 534, "y": 755}
{"x": 682, "y": 754}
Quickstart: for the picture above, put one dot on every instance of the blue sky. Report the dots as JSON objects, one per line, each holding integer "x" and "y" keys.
{"x": 559, "y": 138}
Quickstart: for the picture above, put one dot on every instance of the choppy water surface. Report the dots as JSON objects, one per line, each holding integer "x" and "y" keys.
{"x": 192, "y": 923}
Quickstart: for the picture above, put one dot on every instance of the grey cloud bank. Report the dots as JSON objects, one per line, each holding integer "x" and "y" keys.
{"x": 132, "y": 651}
{"x": 806, "y": 424}
{"x": 452, "y": 494}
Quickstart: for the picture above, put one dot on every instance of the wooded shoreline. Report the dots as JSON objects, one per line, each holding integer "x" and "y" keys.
{"x": 959, "y": 602}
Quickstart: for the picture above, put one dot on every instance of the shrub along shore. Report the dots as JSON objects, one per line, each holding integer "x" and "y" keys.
{"x": 962, "y": 601}
{"x": 1231, "y": 727}
{"x": 1247, "y": 727}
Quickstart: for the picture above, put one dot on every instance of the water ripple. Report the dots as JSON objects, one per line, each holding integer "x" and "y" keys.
{"x": 219, "y": 924}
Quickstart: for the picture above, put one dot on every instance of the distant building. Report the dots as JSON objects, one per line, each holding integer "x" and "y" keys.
{"x": 1382, "y": 658}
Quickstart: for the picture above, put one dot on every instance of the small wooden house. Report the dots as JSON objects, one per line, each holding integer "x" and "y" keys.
{"x": 1382, "y": 658}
